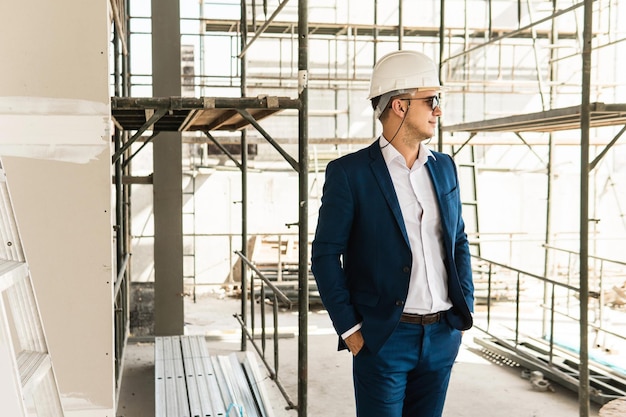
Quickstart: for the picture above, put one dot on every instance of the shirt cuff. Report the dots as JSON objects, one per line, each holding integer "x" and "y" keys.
{"x": 353, "y": 330}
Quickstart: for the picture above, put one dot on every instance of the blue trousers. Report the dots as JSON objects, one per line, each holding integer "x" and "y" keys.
{"x": 409, "y": 376}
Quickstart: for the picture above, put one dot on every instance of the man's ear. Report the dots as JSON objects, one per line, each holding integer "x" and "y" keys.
{"x": 398, "y": 107}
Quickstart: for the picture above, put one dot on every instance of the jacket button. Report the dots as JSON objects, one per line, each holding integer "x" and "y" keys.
{"x": 406, "y": 269}
{"x": 399, "y": 302}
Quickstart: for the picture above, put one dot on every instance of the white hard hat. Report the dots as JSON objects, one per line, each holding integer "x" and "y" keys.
{"x": 403, "y": 70}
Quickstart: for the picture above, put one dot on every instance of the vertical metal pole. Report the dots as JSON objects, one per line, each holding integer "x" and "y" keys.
{"x": 119, "y": 202}
{"x": 126, "y": 189}
{"x": 375, "y": 55}
{"x": 125, "y": 85}
{"x": 547, "y": 259}
{"x": 244, "y": 183}
{"x": 517, "y": 308}
{"x": 489, "y": 295}
{"x": 116, "y": 60}
{"x": 120, "y": 311}
{"x": 276, "y": 335}
{"x": 126, "y": 61}
{"x": 244, "y": 234}
{"x": 552, "y": 313}
{"x": 201, "y": 46}
{"x": 127, "y": 196}
{"x": 547, "y": 236}
{"x": 583, "y": 392}
{"x": 303, "y": 217}
{"x": 490, "y": 22}
{"x": 442, "y": 21}
{"x": 466, "y": 59}
{"x": 400, "y": 25}
{"x": 375, "y": 31}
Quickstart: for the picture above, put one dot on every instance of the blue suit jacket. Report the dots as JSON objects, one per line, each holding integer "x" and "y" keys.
{"x": 361, "y": 258}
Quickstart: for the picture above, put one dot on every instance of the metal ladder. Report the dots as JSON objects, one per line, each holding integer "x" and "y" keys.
{"x": 28, "y": 385}
{"x": 189, "y": 234}
{"x": 466, "y": 163}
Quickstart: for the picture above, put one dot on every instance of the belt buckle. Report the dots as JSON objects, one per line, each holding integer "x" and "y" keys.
{"x": 430, "y": 318}
{"x": 423, "y": 319}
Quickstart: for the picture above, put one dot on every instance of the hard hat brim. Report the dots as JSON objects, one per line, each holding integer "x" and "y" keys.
{"x": 437, "y": 88}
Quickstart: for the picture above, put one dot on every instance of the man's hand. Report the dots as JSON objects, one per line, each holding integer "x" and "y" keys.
{"x": 355, "y": 342}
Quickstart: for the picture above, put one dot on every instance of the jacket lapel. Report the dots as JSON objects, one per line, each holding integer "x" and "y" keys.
{"x": 381, "y": 173}
{"x": 439, "y": 180}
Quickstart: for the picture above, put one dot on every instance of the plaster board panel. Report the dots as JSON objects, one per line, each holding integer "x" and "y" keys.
{"x": 55, "y": 150}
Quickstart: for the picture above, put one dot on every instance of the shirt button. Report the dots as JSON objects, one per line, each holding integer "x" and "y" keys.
{"x": 399, "y": 302}
{"x": 406, "y": 269}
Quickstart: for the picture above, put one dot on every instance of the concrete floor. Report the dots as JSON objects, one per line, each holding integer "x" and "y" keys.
{"x": 479, "y": 388}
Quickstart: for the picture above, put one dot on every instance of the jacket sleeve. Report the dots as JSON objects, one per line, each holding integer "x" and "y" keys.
{"x": 336, "y": 215}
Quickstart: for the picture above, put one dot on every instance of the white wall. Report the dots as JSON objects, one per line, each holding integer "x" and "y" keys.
{"x": 55, "y": 147}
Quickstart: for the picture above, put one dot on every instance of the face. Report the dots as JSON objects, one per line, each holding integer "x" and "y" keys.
{"x": 420, "y": 120}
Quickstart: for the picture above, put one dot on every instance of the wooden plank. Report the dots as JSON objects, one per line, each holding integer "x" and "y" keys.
{"x": 567, "y": 118}
{"x": 614, "y": 408}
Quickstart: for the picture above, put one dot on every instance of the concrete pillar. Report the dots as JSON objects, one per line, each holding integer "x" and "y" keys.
{"x": 167, "y": 159}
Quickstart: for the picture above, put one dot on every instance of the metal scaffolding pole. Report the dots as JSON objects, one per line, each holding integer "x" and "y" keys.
{"x": 303, "y": 217}
{"x": 442, "y": 22}
{"x": 244, "y": 185}
{"x": 518, "y": 31}
{"x": 400, "y": 26}
{"x": 261, "y": 30}
{"x": 585, "y": 111}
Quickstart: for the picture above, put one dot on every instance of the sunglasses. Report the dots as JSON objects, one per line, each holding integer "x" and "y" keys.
{"x": 433, "y": 101}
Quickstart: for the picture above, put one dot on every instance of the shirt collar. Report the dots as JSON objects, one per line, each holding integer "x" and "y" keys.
{"x": 390, "y": 153}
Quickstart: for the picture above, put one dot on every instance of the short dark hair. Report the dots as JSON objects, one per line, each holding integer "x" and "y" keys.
{"x": 375, "y": 101}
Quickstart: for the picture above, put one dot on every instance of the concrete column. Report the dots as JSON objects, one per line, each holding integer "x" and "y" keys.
{"x": 167, "y": 186}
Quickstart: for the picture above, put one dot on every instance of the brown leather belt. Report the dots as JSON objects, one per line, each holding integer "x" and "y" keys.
{"x": 424, "y": 319}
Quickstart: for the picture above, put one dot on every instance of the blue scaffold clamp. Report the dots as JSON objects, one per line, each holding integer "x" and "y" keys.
{"x": 238, "y": 407}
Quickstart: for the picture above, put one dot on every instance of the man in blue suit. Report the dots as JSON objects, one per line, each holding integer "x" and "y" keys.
{"x": 390, "y": 254}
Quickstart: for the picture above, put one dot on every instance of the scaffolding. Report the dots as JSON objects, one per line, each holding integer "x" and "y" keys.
{"x": 495, "y": 59}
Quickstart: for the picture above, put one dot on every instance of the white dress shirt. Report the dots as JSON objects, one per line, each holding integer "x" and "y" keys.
{"x": 428, "y": 288}
{"x": 428, "y": 285}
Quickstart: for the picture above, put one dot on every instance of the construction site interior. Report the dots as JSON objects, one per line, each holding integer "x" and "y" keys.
{"x": 163, "y": 164}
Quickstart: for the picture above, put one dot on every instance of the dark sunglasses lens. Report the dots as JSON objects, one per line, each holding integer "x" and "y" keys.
{"x": 434, "y": 102}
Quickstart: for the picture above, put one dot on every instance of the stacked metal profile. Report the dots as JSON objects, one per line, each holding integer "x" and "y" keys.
{"x": 558, "y": 365}
{"x": 191, "y": 382}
